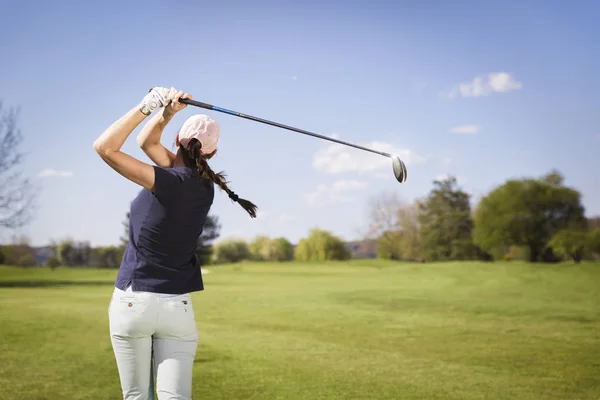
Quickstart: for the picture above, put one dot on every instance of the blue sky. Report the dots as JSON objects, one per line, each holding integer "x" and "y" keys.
{"x": 517, "y": 81}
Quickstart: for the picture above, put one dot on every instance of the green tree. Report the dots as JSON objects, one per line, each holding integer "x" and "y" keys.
{"x": 321, "y": 245}
{"x": 231, "y": 251}
{"x": 527, "y": 212}
{"x": 302, "y": 252}
{"x": 410, "y": 241}
{"x": 285, "y": 250}
{"x": 83, "y": 253}
{"x": 259, "y": 248}
{"x": 19, "y": 252}
{"x": 125, "y": 238}
{"x": 388, "y": 247}
{"x": 570, "y": 244}
{"x": 593, "y": 223}
{"x": 445, "y": 222}
{"x": 263, "y": 248}
{"x": 66, "y": 252}
{"x": 210, "y": 232}
{"x": 594, "y": 241}
{"x": 72, "y": 253}
{"x": 107, "y": 257}
{"x": 53, "y": 263}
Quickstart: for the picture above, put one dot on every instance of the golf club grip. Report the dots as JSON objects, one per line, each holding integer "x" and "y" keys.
{"x": 196, "y": 103}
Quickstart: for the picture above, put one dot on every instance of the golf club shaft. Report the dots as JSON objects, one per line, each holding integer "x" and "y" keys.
{"x": 264, "y": 121}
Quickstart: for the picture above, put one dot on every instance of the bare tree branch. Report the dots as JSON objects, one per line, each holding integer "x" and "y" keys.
{"x": 383, "y": 214}
{"x": 17, "y": 193}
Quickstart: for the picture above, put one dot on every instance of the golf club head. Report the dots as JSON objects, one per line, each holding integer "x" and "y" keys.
{"x": 399, "y": 169}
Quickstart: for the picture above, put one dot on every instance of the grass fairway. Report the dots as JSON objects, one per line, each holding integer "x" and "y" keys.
{"x": 358, "y": 330}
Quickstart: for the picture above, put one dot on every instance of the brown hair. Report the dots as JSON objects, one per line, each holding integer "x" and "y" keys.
{"x": 193, "y": 157}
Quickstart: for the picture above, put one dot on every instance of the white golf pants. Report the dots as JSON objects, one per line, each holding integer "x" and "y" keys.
{"x": 154, "y": 338}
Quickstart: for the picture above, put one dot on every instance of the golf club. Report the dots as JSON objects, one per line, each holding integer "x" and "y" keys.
{"x": 397, "y": 164}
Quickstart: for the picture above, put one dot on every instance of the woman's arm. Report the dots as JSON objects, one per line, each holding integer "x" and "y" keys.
{"x": 109, "y": 144}
{"x": 149, "y": 137}
{"x": 149, "y": 140}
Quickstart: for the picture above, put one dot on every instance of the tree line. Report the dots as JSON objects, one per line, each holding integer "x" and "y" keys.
{"x": 532, "y": 219}
{"x": 71, "y": 253}
{"x": 320, "y": 245}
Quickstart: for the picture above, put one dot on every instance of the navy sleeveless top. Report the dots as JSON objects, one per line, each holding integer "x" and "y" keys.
{"x": 164, "y": 227}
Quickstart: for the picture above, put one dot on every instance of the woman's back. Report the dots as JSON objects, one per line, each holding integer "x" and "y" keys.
{"x": 163, "y": 233}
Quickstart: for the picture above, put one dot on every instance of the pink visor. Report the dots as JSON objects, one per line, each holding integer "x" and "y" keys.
{"x": 203, "y": 128}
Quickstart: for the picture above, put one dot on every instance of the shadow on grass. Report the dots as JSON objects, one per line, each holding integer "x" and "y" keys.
{"x": 41, "y": 284}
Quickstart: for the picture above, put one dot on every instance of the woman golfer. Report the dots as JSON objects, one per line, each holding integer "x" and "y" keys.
{"x": 152, "y": 324}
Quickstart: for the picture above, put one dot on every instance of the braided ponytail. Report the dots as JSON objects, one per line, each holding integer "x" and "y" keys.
{"x": 193, "y": 157}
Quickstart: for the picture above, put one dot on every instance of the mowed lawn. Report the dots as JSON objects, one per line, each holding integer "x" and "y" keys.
{"x": 356, "y": 330}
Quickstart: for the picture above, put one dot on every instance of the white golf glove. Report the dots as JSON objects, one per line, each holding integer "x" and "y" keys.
{"x": 155, "y": 99}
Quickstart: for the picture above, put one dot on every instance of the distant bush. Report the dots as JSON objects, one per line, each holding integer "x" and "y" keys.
{"x": 263, "y": 248}
{"x": 321, "y": 246}
{"x": 108, "y": 257}
{"x": 20, "y": 254}
{"x": 517, "y": 253}
{"x": 570, "y": 244}
{"x": 53, "y": 263}
{"x": 594, "y": 241}
{"x": 285, "y": 250}
{"x": 2, "y": 257}
{"x": 498, "y": 253}
{"x": 388, "y": 247}
{"x": 231, "y": 251}
{"x": 26, "y": 260}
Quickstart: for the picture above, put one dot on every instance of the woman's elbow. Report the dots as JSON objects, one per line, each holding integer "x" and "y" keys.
{"x": 98, "y": 147}
{"x": 101, "y": 149}
{"x": 142, "y": 143}
{"x": 145, "y": 143}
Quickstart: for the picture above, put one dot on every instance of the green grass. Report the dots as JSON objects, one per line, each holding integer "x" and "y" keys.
{"x": 358, "y": 330}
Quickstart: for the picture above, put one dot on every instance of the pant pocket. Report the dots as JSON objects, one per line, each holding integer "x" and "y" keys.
{"x": 132, "y": 303}
{"x": 177, "y": 319}
{"x": 129, "y": 316}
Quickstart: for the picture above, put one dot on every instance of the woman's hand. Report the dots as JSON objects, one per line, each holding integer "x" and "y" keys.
{"x": 174, "y": 105}
{"x": 153, "y": 100}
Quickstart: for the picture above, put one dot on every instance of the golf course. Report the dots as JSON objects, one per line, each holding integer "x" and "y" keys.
{"x": 361, "y": 329}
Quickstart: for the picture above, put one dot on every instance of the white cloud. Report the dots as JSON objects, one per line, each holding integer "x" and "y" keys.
{"x": 52, "y": 172}
{"x": 467, "y": 129}
{"x": 502, "y": 82}
{"x": 498, "y": 82}
{"x": 294, "y": 77}
{"x": 324, "y": 194}
{"x": 336, "y": 158}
